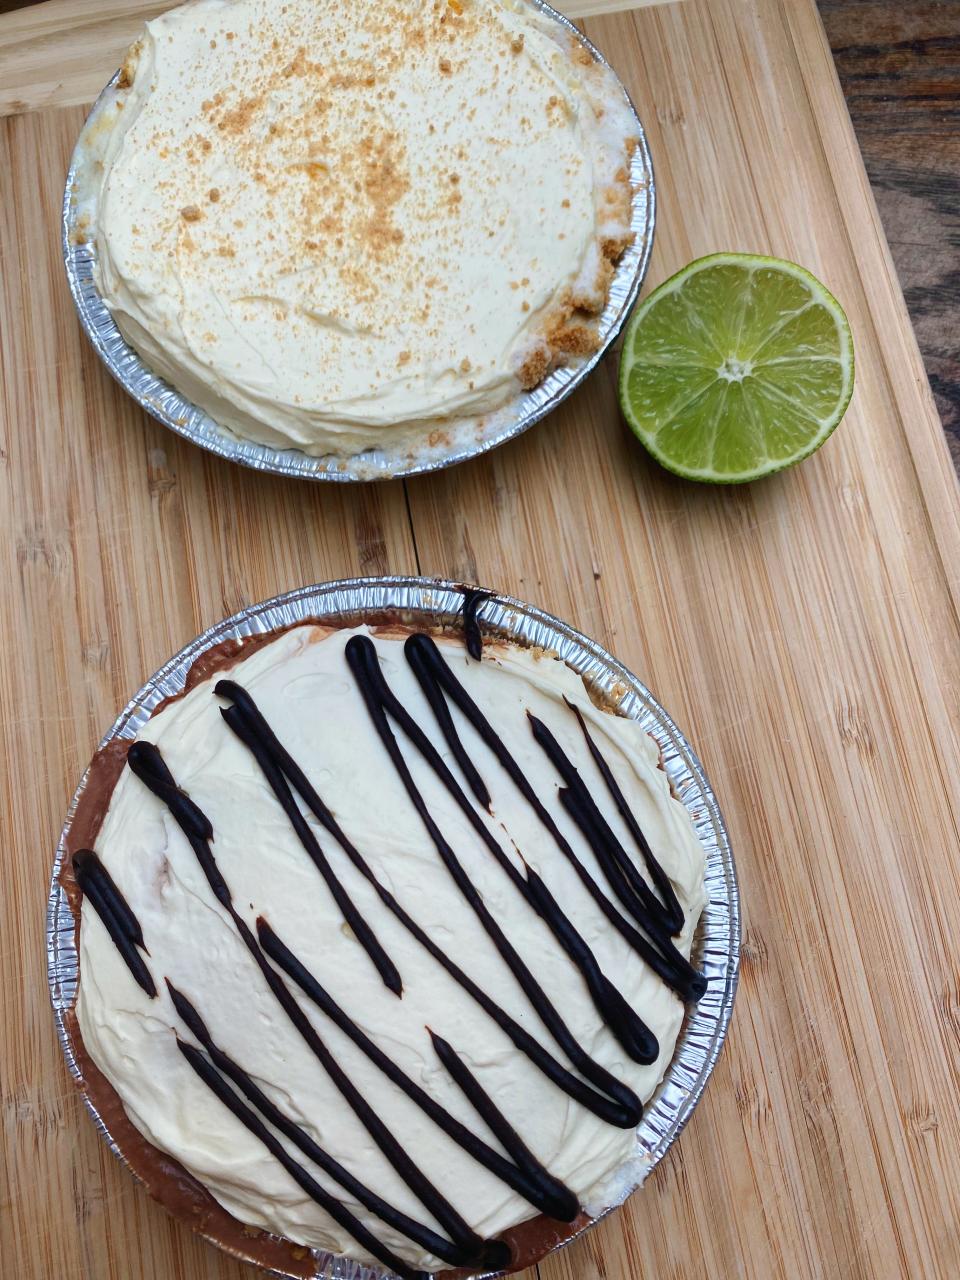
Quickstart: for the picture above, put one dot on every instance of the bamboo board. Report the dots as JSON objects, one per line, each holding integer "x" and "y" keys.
{"x": 804, "y": 632}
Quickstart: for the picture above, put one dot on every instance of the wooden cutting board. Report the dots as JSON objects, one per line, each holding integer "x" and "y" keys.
{"x": 803, "y": 631}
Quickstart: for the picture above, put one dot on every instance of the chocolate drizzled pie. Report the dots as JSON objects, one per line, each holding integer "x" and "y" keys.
{"x": 387, "y": 946}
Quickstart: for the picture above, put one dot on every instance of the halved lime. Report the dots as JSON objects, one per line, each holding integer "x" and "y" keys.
{"x": 736, "y": 367}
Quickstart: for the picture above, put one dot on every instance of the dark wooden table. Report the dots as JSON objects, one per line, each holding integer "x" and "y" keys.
{"x": 899, "y": 64}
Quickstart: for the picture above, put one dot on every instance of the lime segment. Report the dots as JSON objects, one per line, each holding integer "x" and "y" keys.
{"x": 736, "y": 367}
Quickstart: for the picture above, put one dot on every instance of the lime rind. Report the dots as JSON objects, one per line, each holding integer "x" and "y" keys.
{"x": 736, "y": 367}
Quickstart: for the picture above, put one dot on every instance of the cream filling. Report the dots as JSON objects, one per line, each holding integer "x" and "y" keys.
{"x": 328, "y": 223}
{"x": 303, "y": 686}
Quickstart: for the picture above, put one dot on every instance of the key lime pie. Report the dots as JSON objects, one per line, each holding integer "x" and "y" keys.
{"x": 386, "y": 943}
{"x": 336, "y": 227}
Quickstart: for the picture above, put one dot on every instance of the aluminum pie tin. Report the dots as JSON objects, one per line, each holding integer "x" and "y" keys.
{"x": 463, "y": 439}
{"x": 430, "y": 603}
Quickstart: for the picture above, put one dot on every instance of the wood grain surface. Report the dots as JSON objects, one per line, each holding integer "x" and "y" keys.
{"x": 804, "y": 632}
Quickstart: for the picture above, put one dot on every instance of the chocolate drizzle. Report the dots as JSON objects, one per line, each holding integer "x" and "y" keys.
{"x": 528, "y": 1178}
{"x": 251, "y": 1121}
{"x": 494, "y": 1117}
{"x": 673, "y": 910}
{"x": 376, "y": 1204}
{"x": 114, "y": 910}
{"x": 647, "y": 918}
{"x": 362, "y": 931}
{"x": 380, "y": 701}
{"x": 663, "y": 957}
{"x": 147, "y": 763}
{"x": 438, "y": 682}
{"x": 474, "y": 598}
{"x": 622, "y": 1109}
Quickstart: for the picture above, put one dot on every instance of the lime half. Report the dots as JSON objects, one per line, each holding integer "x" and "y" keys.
{"x": 736, "y": 367}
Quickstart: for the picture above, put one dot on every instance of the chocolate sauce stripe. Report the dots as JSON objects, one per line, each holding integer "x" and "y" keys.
{"x": 362, "y": 658}
{"x": 631, "y": 1032}
{"x": 216, "y": 1083}
{"x": 487, "y": 1109}
{"x": 414, "y": 1230}
{"x": 623, "y": 1114}
{"x": 88, "y": 864}
{"x": 430, "y": 669}
{"x": 438, "y": 705}
{"x": 147, "y": 763}
{"x": 663, "y": 965}
{"x": 634, "y": 893}
{"x": 653, "y": 865}
{"x": 474, "y": 598}
{"x": 115, "y": 914}
{"x": 354, "y": 918}
{"x": 584, "y": 814}
{"x": 660, "y": 952}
